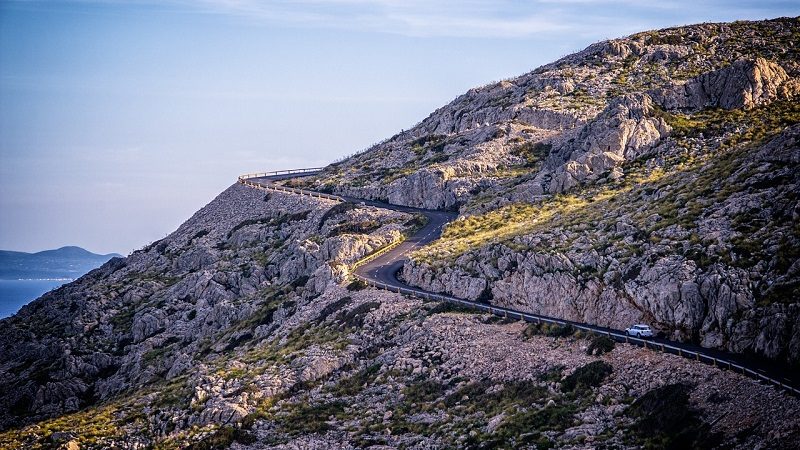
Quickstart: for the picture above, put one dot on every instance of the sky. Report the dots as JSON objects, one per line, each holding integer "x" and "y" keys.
{"x": 119, "y": 119}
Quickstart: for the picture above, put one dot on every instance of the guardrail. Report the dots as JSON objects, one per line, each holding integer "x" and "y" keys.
{"x": 496, "y": 310}
{"x": 620, "y": 337}
{"x": 269, "y": 186}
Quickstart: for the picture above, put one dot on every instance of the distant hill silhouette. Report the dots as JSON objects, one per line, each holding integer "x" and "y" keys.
{"x": 65, "y": 262}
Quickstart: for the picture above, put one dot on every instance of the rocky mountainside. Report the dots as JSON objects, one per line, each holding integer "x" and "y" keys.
{"x": 651, "y": 178}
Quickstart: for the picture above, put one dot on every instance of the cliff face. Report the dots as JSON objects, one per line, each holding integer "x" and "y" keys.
{"x": 651, "y": 178}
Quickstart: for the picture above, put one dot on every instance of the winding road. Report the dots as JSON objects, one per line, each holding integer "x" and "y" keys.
{"x": 381, "y": 269}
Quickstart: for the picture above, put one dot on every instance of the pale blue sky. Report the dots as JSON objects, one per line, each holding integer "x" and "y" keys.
{"x": 119, "y": 119}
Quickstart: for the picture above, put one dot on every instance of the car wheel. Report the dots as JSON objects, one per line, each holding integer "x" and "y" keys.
{"x": 639, "y": 335}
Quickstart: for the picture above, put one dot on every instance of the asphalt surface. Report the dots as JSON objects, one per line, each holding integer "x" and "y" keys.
{"x": 384, "y": 269}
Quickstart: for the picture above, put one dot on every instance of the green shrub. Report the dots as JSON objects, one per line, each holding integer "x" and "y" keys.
{"x": 355, "y": 317}
{"x": 304, "y": 419}
{"x": 337, "y": 209}
{"x": 600, "y": 345}
{"x": 363, "y": 227}
{"x": 547, "y": 329}
{"x": 356, "y": 285}
{"x": 352, "y": 385}
{"x": 447, "y": 307}
{"x": 426, "y": 391}
{"x": 332, "y": 308}
{"x": 270, "y": 221}
{"x": 587, "y": 376}
{"x": 524, "y": 423}
{"x": 198, "y": 235}
{"x": 664, "y": 419}
{"x": 416, "y": 222}
{"x": 532, "y": 153}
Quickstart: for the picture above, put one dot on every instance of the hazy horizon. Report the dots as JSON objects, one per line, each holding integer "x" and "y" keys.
{"x": 118, "y": 120}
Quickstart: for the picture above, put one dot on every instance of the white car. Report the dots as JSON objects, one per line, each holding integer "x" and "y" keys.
{"x": 639, "y": 331}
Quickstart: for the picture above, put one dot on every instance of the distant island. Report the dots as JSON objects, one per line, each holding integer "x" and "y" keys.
{"x": 64, "y": 263}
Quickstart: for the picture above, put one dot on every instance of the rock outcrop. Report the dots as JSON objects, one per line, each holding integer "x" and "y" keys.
{"x": 744, "y": 84}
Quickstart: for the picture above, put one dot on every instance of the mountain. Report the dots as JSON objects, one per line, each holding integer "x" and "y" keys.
{"x": 65, "y": 262}
{"x": 647, "y": 179}
{"x": 650, "y": 179}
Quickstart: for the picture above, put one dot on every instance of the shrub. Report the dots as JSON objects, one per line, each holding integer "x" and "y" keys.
{"x": 337, "y": 209}
{"x": 363, "y": 227}
{"x": 546, "y": 329}
{"x": 423, "y": 392}
{"x": 416, "y": 222}
{"x": 304, "y": 419}
{"x": 666, "y": 420}
{"x": 486, "y": 295}
{"x": 356, "y": 285}
{"x": 352, "y": 385}
{"x": 355, "y": 317}
{"x": 447, "y": 307}
{"x": 298, "y": 282}
{"x": 198, "y": 235}
{"x": 587, "y": 376}
{"x": 533, "y": 153}
{"x": 332, "y": 308}
{"x": 524, "y": 423}
{"x": 600, "y": 345}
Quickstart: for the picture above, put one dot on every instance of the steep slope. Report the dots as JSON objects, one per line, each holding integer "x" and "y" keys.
{"x": 651, "y": 178}
{"x": 143, "y": 319}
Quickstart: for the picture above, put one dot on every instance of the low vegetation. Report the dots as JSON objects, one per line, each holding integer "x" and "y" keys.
{"x": 665, "y": 419}
{"x": 587, "y": 376}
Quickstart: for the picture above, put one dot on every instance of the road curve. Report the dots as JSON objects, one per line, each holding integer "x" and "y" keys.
{"x": 381, "y": 271}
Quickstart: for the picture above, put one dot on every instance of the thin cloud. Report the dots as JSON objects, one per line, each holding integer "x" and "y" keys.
{"x": 507, "y": 19}
{"x": 409, "y": 18}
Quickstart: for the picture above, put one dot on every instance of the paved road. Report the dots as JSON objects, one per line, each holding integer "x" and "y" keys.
{"x": 382, "y": 272}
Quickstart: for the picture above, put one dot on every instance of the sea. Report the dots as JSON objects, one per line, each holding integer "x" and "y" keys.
{"x": 14, "y": 294}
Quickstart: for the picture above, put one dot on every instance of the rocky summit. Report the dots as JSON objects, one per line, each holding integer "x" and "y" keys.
{"x": 648, "y": 179}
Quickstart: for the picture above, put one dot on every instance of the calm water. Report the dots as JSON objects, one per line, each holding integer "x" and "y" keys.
{"x": 14, "y": 294}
